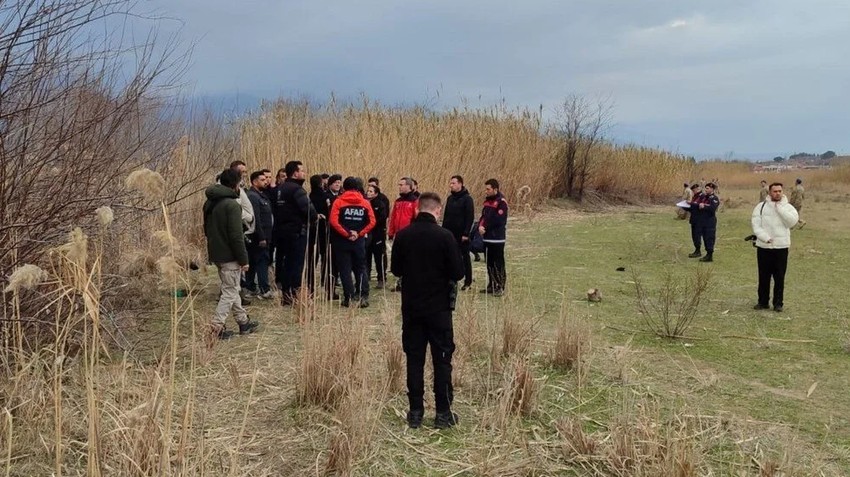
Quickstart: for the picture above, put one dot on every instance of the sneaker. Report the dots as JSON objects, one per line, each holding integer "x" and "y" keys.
{"x": 266, "y": 296}
{"x": 445, "y": 420}
{"x": 695, "y": 254}
{"x": 759, "y": 306}
{"x": 248, "y": 327}
{"x": 414, "y": 418}
{"x": 777, "y": 308}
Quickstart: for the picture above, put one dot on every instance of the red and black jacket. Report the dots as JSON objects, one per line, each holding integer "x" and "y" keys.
{"x": 351, "y": 212}
{"x": 404, "y": 211}
{"x": 494, "y": 218}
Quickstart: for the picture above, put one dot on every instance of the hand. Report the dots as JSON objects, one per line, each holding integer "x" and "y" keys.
{"x": 352, "y": 236}
{"x": 244, "y": 268}
{"x": 263, "y": 244}
{"x": 702, "y": 206}
{"x": 770, "y": 240}
{"x": 481, "y": 229}
{"x": 464, "y": 238}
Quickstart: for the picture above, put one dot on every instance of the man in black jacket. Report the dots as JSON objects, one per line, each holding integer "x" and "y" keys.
{"x": 425, "y": 256}
{"x": 257, "y": 278}
{"x": 457, "y": 219}
{"x": 293, "y": 213}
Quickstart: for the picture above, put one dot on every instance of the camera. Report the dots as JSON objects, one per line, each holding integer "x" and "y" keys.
{"x": 751, "y": 238}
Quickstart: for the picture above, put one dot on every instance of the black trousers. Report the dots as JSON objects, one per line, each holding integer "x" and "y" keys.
{"x": 350, "y": 260}
{"x": 289, "y": 262}
{"x": 701, "y": 234}
{"x": 467, "y": 262}
{"x": 377, "y": 251}
{"x": 497, "y": 275}
{"x": 772, "y": 264}
{"x": 416, "y": 335}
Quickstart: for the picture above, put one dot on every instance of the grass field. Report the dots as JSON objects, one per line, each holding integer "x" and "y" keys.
{"x": 730, "y": 399}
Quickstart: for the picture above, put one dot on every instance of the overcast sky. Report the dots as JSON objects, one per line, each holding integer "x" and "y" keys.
{"x": 698, "y": 77}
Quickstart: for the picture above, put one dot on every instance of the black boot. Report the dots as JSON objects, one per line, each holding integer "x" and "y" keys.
{"x": 248, "y": 327}
{"x": 696, "y": 254}
{"x": 708, "y": 257}
{"x": 445, "y": 420}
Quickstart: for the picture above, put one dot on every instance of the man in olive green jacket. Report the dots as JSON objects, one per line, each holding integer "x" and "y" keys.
{"x": 226, "y": 249}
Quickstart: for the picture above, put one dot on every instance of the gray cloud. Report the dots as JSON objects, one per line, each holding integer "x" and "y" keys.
{"x": 697, "y": 76}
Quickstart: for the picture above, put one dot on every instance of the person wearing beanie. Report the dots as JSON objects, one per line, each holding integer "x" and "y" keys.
{"x": 351, "y": 219}
{"x": 796, "y": 200}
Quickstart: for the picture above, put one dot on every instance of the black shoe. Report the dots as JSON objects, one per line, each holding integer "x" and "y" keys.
{"x": 498, "y": 292}
{"x": 445, "y": 420}
{"x": 248, "y": 327}
{"x": 380, "y": 285}
{"x": 414, "y": 418}
{"x": 777, "y": 308}
{"x": 477, "y": 257}
{"x": 345, "y": 302}
{"x": 465, "y": 287}
{"x": 709, "y": 257}
{"x": 364, "y": 303}
{"x": 695, "y": 254}
{"x": 222, "y": 333}
{"x": 759, "y": 306}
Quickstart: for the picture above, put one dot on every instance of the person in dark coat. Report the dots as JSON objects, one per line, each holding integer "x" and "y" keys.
{"x": 426, "y": 258}
{"x": 226, "y": 249}
{"x": 458, "y": 216}
{"x": 351, "y": 219}
{"x": 492, "y": 226}
{"x": 704, "y": 222}
{"x": 317, "y": 249}
{"x": 293, "y": 213}
{"x": 257, "y": 277}
{"x": 376, "y": 245}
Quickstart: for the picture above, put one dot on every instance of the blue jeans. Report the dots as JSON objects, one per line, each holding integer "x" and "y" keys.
{"x": 257, "y": 278}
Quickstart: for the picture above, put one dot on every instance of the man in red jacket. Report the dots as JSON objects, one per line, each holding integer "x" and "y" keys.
{"x": 351, "y": 219}
{"x": 404, "y": 211}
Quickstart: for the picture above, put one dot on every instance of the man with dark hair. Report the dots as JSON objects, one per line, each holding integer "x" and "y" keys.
{"x": 772, "y": 221}
{"x": 318, "y": 236}
{"x": 491, "y": 226}
{"x": 293, "y": 214}
{"x": 457, "y": 219}
{"x": 376, "y": 243}
{"x": 426, "y": 259}
{"x": 351, "y": 220}
{"x": 257, "y": 277}
{"x": 325, "y": 178}
{"x": 404, "y": 210}
{"x": 226, "y": 249}
{"x": 704, "y": 222}
{"x": 764, "y": 191}
{"x": 796, "y": 200}
{"x": 244, "y": 202}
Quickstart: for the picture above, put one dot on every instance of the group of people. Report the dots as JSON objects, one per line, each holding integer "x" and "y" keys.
{"x": 772, "y": 220}
{"x": 340, "y": 229}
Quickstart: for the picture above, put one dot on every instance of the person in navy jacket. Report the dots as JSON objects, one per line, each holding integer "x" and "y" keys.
{"x": 704, "y": 222}
{"x": 491, "y": 226}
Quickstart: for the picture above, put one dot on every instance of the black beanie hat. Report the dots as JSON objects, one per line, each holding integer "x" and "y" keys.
{"x": 333, "y": 178}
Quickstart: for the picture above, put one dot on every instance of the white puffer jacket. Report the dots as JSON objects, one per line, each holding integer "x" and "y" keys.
{"x": 772, "y": 222}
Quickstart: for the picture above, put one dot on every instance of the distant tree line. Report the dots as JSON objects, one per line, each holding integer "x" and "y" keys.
{"x": 806, "y": 155}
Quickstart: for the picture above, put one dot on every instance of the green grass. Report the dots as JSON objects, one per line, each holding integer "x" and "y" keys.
{"x": 741, "y": 401}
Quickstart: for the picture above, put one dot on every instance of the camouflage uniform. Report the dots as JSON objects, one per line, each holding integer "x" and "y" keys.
{"x": 798, "y": 194}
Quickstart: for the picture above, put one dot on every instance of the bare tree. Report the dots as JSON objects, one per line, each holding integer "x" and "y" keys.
{"x": 580, "y": 123}
{"x": 80, "y": 106}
